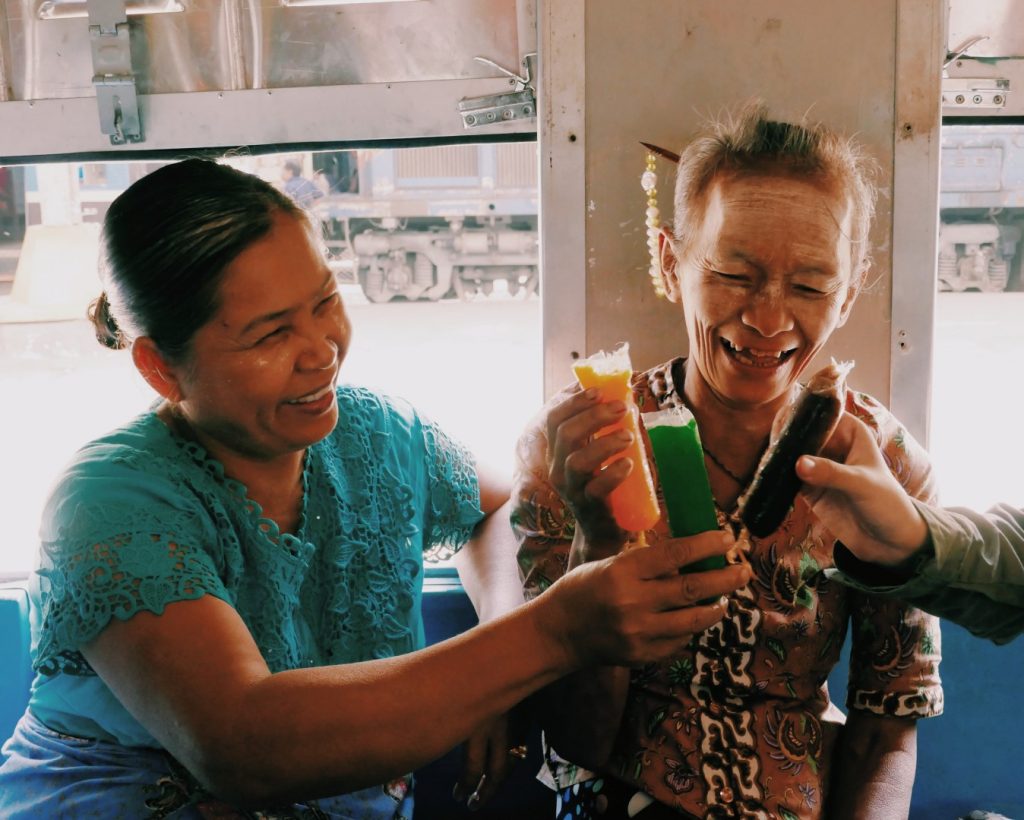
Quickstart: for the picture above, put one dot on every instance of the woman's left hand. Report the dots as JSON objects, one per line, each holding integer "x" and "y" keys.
{"x": 576, "y": 454}
{"x": 491, "y": 752}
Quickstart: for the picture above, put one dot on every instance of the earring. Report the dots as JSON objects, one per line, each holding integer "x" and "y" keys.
{"x": 649, "y": 182}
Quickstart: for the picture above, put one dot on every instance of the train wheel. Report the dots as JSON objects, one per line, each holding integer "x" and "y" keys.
{"x": 374, "y": 284}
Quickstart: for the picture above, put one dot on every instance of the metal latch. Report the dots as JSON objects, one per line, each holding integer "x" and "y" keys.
{"x": 116, "y": 96}
{"x": 512, "y": 105}
{"x": 974, "y": 93}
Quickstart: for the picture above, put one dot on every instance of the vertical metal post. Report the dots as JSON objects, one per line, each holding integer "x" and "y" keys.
{"x": 563, "y": 213}
{"x": 920, "y": 49}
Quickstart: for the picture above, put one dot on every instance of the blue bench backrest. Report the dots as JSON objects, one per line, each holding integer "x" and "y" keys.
{"x": 15, "y": 662}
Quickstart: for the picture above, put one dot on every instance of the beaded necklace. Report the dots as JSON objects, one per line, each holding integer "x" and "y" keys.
{"x": 740, "y": 482}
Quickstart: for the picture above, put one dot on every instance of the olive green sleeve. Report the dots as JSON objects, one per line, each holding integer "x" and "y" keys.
{"x": 971, "y": 573}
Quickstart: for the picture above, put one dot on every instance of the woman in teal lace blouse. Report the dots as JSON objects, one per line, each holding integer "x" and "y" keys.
{"x": 227, "y": 610}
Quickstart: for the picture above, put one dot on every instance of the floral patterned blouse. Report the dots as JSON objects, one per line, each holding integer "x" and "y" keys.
{"x": 740, "y": 724}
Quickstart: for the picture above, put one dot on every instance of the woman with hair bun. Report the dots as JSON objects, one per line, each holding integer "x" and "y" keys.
{"x": 227, "y": 610}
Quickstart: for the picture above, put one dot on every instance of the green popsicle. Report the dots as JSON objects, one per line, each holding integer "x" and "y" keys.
{"x": 679, "y": 457}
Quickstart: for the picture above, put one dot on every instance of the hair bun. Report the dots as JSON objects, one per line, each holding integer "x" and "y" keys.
{"x": 105, "y": 327}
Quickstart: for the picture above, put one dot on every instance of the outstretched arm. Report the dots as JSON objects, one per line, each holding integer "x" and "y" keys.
{"x": 347, "y": 726}
{"x": 963, "y": 565}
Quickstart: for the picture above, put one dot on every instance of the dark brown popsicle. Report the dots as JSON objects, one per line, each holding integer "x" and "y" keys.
{"x": 811, "y": 420}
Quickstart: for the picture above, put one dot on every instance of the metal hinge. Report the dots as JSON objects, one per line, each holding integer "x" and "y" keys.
{"x": 974, "y": 93}
{"x": 116, "y": 96}
{"x": 513, "y": 105}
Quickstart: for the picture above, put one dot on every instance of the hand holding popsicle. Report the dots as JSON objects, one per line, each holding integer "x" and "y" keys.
{"x": 679, "y": 456}
{"x": 636, "y": 607}
{"x": 852, "y": 491}
{"x": 800, "y": 429}
{"x": 633, "y": 502}
{"x": 597, "y": 462}
{"x": 575, "y": 457}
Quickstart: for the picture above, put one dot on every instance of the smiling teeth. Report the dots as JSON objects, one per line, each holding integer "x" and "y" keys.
{"x": 319, "y": 394}
{"x": 765, "y": 357}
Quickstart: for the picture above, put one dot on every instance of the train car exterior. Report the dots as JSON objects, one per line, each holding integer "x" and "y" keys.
{"x": 425, "y": 223}
{"x": 408, "y": 223}
{"x": 982, "y": 208}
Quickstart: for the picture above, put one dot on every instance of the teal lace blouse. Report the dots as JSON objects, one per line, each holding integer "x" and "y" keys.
{"x": 142, "y": 518}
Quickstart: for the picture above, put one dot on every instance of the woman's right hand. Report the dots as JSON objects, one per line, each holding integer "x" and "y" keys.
{"x": 575, "y": 456}
{"x": 636, "y": 607}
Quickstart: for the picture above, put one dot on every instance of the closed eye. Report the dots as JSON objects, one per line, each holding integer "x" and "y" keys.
{"x": 276, "y": 332}
{"x": 329, "y": 300}
{"x": 736, "y": 278}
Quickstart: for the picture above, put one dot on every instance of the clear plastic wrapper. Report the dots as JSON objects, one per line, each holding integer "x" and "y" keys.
{"x": 802, "y": 429}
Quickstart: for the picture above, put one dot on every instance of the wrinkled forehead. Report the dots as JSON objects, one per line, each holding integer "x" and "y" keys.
{"x": 776, "y": 183}
{"x": 787, "y": 203}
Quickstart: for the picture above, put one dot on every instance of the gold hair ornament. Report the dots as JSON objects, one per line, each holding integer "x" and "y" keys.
{"x": 649, "y": 182}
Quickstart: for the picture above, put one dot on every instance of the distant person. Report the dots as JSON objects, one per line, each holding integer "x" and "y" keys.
{"x": 228, "y": 608}
{"x": 302, "y": 190}
{"x": 339, "y": 169}
{"x": 959, "y": 564}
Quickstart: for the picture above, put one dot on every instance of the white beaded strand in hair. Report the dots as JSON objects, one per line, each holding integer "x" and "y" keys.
{"x": 649, "y": 182}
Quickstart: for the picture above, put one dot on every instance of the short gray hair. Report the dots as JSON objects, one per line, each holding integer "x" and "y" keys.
{"x": 748, "y": 142}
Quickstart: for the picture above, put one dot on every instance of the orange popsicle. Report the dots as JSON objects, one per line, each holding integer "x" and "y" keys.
{"x": 633, "y": 503}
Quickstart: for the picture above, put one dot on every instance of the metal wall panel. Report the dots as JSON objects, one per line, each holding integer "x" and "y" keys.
{"x": 385, "y": 70}
{"x": 225, "y": 45}
{"x": 1000, "y": 22}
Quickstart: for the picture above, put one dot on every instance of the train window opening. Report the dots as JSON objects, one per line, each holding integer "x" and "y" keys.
{"x": 435, "y": 251}
{"x": 977, "y": 434}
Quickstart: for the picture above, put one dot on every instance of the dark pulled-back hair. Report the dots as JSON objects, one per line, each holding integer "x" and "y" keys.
{"x": 165, "y": 245}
